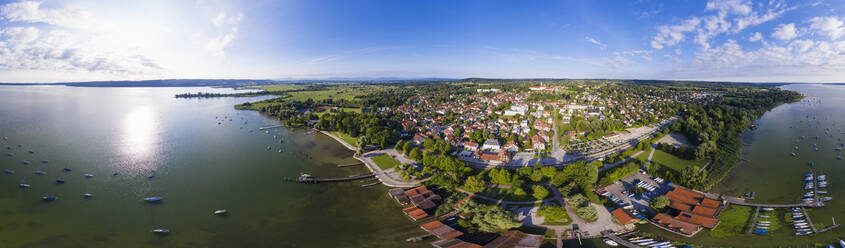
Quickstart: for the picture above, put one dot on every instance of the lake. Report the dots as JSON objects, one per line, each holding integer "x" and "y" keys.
{"x": 202, "y": 154}
{"x": 776, "y": 176}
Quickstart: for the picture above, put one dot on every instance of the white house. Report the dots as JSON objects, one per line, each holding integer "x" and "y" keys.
{"x": 491, "y": 144}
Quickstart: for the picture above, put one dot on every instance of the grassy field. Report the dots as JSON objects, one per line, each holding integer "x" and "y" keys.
{"x": 305, "y": 92}
{"x": 348, "y": 139}
{"x": 384, "y": 161}
{"x": 734, "y": 222}
{"x": 355, "y": 110}
{"x": 672, "y": 162}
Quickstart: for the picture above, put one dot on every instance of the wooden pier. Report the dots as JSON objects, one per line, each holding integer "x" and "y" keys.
{"x": 270, "y": 127}
{"x": 754, "y": 221}
{"x": 347, "y": 165}
{"x": 807, "y": 217}
{"x": 305, "y": 178}
{"x": 621, "y": 241}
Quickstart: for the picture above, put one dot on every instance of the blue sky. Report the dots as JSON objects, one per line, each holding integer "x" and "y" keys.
{"x": 734, "y": 40}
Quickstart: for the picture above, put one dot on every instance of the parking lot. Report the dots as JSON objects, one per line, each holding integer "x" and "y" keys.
{"x": 623, "y": 192}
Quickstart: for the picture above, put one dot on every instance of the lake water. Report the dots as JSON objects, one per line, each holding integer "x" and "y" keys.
{"x": 776, "y": 176}
{"x": 198, "y": 166}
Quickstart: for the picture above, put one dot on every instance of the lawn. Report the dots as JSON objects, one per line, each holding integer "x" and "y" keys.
{"x": 672, "y": 162}
{"x": 346, "y": 138}
{"x": 384, "y": 161}
{"x": 734, "y": 222}
{"x": 282, "y": 87}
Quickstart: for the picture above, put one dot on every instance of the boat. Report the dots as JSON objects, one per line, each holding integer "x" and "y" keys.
{"x": 765, "y": 221}
{"x": 153, "y": 199}
{"x": 827, "y": 198}
{"x": 60, "y": 181}
{"x": 796, "y": 148}
{"x": 764, "y": 216}
{"x": 838, "y": 149}
{"x": 10, "y": 154}
{"x": 821, "y": 177}
{"x": 793, "y": 154}
{"x": 31, "y": 152}
{"x": 269, "y": 148}
{"x": 839, "y": 157}
{"x": 221, "y": 212}
{"x": 10, "y": 172}
{"x": 40, "y": 173}
{"x": 88, "y": 175}
{"x": 87, "y": 195}
{"x": 66, "y": 169}
{"x": 822, "y": 192}
{"x": 45, "y": 161}
{"x": 812, "y": 163}
{"x": 161, "y": 231}
{"x": 151, "y": 175}
{"x": 842, "y": 243}
{"x": 25, "y": 162}
{"x": 636, "y": 238}
{"x": 115, "y": 174}
{"x": 808, "y": 179}
{"x": 647, "y": 243}
{"x": 767, "y": 209}
{"x": 48, "y": 198}
{"x": 23, "y": 185}
{"x": 610, "y": 242}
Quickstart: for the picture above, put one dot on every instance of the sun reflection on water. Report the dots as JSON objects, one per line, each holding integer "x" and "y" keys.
{"x": 140, "y": 134}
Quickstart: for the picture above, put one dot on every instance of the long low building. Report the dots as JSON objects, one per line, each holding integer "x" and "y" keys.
{"x": 694, "y": 211}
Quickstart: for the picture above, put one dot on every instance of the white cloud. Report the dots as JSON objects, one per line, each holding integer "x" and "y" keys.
{"x": 736, "y": 7}
{"x": 596, "y": 42}
{"x": 31, "y": 12}
{"x": 757, "y": 36}
{"x": 228, "y": 26}
{"x": 731, "y": 17}
{"x": 829, "y": 26}
{"x": 785, "y": 32}
{"x": 29, "y": 47}
{"x": 796, "y": 59}
{"x": 671, "y": 35}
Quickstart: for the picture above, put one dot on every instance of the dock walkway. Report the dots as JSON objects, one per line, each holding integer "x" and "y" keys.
{"x": 305, "y": 178}
{"x": 621, "y": 241}
{"x": 754, "y": 221}
{"x": 807, "y": 216}
{"x": 270, "y": 127}
{"x": 737, "y": 201}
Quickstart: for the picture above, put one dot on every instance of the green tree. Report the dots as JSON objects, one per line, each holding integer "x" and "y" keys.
{"x": 475, "y": 184}
{"x": 589, "y": 213}
{"x": 659, "y": 202}
{"x": 539, "y": 192}
{"x": 415, "y": 154}
{"x": 406, "y": 148}
{"x": 495, "y": 220}
{"x": 536, "y": 176}
{"x": 500, "y": 176}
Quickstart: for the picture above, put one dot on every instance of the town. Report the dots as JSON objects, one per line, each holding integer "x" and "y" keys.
{"x": 495, "y": 164}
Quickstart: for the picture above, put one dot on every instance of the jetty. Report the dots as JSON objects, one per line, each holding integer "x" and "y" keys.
{"x": 305, "y": 178}
{"x": 621, "y": 241}
{"x": 754, "y": 221}
{"x": 807, "y": 216}
{"x": 270, "y": 127}
{"x": 737, "y": 201}
{"x": 352, "y": 164}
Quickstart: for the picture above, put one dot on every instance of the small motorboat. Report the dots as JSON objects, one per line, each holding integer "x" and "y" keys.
{"x": 48, "y": 198}
{"x": 31, "y": 152}
{"x": 60, "y": 181}
{"x": 812, "y": 163}
{"x": 269, "y": 148}
{"x": 23, "y": 185}
{"x": 66, "y": 169}
{"x": 221, "y": 212}
{"x": 115, "y": 174}
{"x": 161, "y": 231}
{"x": 842, "y": 243}
{"x": 610, "y": 242}
{"x": 10, "y": 172}
{"x": 10, "y": 154}
{"x": 40, "y": 173}
{"x": 88, "y": 175}
{"x": 87, "y": 195}
{"x": 153, "y": 199}
{"x": 45, "y": 161}
{"x": 25, "y": 162}
{"x": 151, "y": 175}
